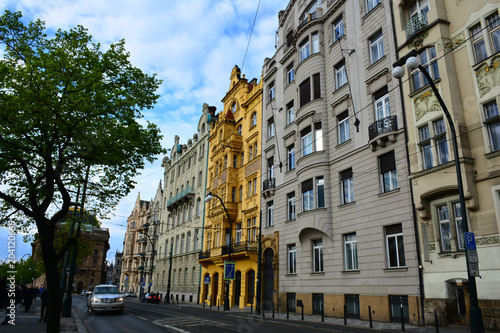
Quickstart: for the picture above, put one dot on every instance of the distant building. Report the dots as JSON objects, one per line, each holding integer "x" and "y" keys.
{"x": 117, "y": 269}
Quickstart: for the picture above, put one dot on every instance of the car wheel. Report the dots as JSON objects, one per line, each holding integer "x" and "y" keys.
{"x": 120, "y": 312}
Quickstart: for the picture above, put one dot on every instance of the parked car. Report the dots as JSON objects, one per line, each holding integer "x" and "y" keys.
{"x": 105, "y": 297}
{"x": 83, "y": 293}
{"x": 152, "y": 298}
{"x": 130, "y": 294}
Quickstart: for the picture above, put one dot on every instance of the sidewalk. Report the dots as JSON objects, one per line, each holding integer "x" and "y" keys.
{"x": 339, "y": 322}
{"x": 29, "y": 321}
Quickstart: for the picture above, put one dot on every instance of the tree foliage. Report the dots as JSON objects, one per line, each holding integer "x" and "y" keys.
{"x": 67, "y": 106}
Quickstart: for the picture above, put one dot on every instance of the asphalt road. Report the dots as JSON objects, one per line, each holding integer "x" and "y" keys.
{"x": 154, "y": 318}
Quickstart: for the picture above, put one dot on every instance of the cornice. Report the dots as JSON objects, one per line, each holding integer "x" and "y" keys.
{"x": 304, "y": 116}
{"x": 271, "y": 73}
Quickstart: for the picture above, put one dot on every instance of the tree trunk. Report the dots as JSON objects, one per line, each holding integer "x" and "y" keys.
{"x": 53, "y": 284}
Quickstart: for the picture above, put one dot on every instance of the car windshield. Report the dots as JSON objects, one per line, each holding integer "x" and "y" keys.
{"x": 106, "y": 290}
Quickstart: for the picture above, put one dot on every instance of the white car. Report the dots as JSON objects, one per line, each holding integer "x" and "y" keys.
{"x": 105, "y": 297}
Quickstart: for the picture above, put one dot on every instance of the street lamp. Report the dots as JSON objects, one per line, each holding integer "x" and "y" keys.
{"x": 152, "y": 259}
{"x": 208, "y": 198}
{"x": 412, "y": 63}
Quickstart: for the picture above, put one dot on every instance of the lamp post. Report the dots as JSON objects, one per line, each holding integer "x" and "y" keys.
{"x": 152, "y": 259}
{"x": 412, "y": 63}
{"x": 208, "y": 198}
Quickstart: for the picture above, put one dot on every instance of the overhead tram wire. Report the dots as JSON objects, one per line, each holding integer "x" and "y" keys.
{"x": 250, "y": 37}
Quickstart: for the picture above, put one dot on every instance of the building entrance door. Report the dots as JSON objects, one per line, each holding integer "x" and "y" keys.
{"x": 237, "y": 288}
{"x": 215, "y": 289}
{"x": 268, "y": 280}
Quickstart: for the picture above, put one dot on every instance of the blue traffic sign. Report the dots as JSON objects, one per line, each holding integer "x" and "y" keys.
{"x": 207, "y": 280}
{"x": 229, "y": 270}
{"x": 470, "y": 241}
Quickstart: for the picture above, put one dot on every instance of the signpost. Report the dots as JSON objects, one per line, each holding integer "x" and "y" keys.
{"x": 229, "y": 270}
{"x": 472, "y": 258}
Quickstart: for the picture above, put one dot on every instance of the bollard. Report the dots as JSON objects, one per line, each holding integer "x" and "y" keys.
{"x": 322, "y": 313}
{"x": 436, "y": 321}
{"x": 345, "y": 314}
{"x": 263, "y": 311}
{"x": 402, "y": 319}
{"x": 204, "y": 304}
{"x": 287, "y": 310}
{"x": 273, "y": 308}
{"x": 218, "y": 303}
{"x": 370, "y": 316}
{"x": 302, "y": 312}
{"x": 251, "y": 307}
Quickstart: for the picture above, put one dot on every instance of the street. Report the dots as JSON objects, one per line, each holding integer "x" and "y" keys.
{"x": 172, "y": 318}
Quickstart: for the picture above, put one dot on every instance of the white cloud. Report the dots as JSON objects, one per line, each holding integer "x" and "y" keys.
{"x": 192, "y": 46}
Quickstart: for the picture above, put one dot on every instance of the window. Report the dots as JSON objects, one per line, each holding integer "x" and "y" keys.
{"x": 237, "y": 239}
{"x": 254, "y": 119}
{"x": 395, "y": 246}
{"x": 425, "y": 146}
{"x": 290, "y": 113}
{"x": 255, "y": 186}
{"x": 235, "y": 161}
{"x": 238, "y": 131}
{"x": 290, "y": 74}
{"x": 241, "y": 192}
{"x": 370, "y": 4}
{"x": 493, "y": 22}
{"x": 250, "y": 155}
{"x": 198, "y": 206}
{"x": 448, "y": 231}
{"x": 317, "y": 255}
{"x": 419, "y": 7}
{"x": 182, "y": 243}
{"x": 225, "y": 162}
{"x": 188, "y": 242}
{"x": 307, "y": 195}
{"x": 291, "y": 157}
{"x": 291, "y": 206}
{"x": 340, "y": 75}
{"x": 382, "y": 104}
{"x": 316, "y": 86}
{"x": 352, "y": 306}
{"x": 441, "y": 144}
{"x": 292, "y": 259}
{"x": 320, "y": 192}
{"x": 478, "y": 42}
{"x": 388, "y": 174}
{"x": 428, "y": 60}
{"x": 305, "y": 92}
{"x": 343, "y": 127}
{"x": 249, "y": 188}
{"x": 233, "y": 107}
{"x": 196, "y": 237}
{"x": 350, "y": 252}
{"x": 318, "y": 137}
{"x": 290, "y": 302}
{"x": 338, "y": 29}
{"x": 270, "y": 128}
{"x": 270, "y": 213}
{"x": 376, "y": 47}
{"x": 242, "y": 158}
{"x": 270, "y": 168}
{"x": 233, "y": 195}
{"x": 256, "y": 149}
{"x": 270, "y": 92}
{"x": 304, "y": 50}
{"x": 252, "y": 229}
{"x": 306, "y": 141}
{"x": 346, "y": 187}
{"x": 492, "y": 121}
{"x": 315, "y": 42}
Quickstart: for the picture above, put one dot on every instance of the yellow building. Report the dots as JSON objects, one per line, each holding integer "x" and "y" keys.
{"x": 233, "y": 178}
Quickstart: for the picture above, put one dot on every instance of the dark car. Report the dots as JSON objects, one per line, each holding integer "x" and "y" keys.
{"x": 152, "y": 298}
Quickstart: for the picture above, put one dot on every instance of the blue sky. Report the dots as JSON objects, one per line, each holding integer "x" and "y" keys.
{"x": 191, "y": 44}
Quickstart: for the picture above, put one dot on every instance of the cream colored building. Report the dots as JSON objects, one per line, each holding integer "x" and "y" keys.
{"x": 177, "y": 270}
{"x": 338, "y": 226}
{"x": 459, "y": 43}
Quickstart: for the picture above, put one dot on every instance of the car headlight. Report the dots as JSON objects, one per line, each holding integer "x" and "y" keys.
{"x": 120, "y": 299}
{"x": 95, "y": 300}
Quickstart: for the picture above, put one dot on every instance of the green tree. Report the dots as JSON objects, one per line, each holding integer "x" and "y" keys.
{"x": 67, "y": 106}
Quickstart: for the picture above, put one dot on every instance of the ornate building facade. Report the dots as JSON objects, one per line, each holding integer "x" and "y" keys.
{"x": 459, "y": 44}
{"x": 177, "y": 269}
{"x": 232, "y": 216}
{"x": 338, "y": 225}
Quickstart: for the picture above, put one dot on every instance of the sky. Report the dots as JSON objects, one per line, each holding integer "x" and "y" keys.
{"x": 192, "y": 45}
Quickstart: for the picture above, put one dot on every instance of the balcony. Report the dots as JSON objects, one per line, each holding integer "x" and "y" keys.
{"x": 232, "y": 209}
{"x": 140, "y": 268}
{"x": 236, "y": 250}
{"x": 383, "y": 130}
{"x": 268, "y": 187}
{"x": 234, "y": 142}
{"x": 416, "y": 24}
{"x": 183, "y": 197}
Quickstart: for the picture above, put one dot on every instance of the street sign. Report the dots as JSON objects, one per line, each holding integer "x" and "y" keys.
{"x": 229, "y": 270}
{"x": 207, "y": 280}
{"x": 470, "y": 241}
{"x": 472, "y": 256}
{"x": 473, "y": 269}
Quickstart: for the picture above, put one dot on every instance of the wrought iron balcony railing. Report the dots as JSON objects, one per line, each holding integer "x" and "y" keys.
{"x": 416, "y": 23}
{"x": 269, "y": 184}
{"x": 384, "y": 125}
{"x": 224, "y": 250}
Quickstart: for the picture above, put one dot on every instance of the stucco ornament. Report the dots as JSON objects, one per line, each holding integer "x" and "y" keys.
{"x": 425, "y": 103}
{"x": 488, "y": 76}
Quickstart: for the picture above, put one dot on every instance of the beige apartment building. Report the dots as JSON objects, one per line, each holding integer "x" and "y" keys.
{"x": 338, "y": 226}
{"x": 459, "y": 44}
{"x": 182, "y": 216}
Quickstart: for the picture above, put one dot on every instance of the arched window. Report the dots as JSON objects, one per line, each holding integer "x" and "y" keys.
{"x": 195, "y": 245}
{"x": 254, "y": 119}
{"x": 234, "y": 107}
{"x": 182, "y": 244}
{"x": 166, "y": 248}
{"x": 190, "y": 211}
{"x": 198, "y": 207}
{"x": 184, "y": 216}
{"x": 193, "y": 282}
{"x": 239, "y": 130}
{"x": 188, "y": 241}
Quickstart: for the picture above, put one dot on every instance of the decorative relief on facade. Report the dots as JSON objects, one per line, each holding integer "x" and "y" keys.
{"x": 488, "y": 240}
{"x": 252, "y": 167}
{"x": 488, "y": 76}
{"x": 425, "y": 103}
{"x": 418, "y": 41}
{"x": 432, "y": 247}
